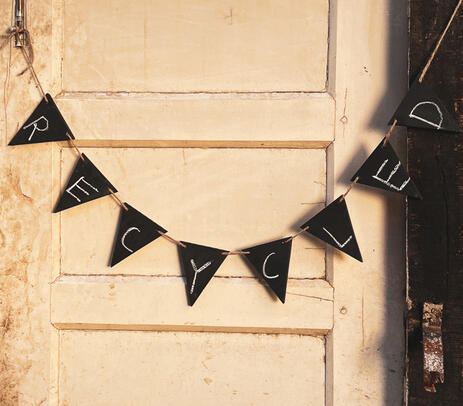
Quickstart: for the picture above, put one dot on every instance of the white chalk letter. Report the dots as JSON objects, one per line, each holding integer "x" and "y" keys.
{"x": 36, "y": 126}
{"x": 76, "y": 184}
{"x": 265, "y": 264}
{"x": 336, "y": 241}
{"x": 441, "y": 118}
{"x": 197, "y": 271}
{"x": 125, "y": 235}
{"x": 387, "y": 181}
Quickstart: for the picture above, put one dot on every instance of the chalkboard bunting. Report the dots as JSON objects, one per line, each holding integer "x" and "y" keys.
{"x": 422, "y": 108}
{"x": 85, "y": 184}
{"x": 271, "y": 263}
{"x": 199, "y": 264}
{"x": 134, "y": 231}
{"x": 45, "y": 124}
{"x": 383, "y": 170}
{"x": 333, "y": 226}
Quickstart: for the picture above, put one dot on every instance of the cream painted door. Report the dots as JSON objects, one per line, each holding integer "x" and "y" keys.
{"x": 229, "y": 123}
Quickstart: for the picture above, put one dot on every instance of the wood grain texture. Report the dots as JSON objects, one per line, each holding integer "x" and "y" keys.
{"x": 435, "y": 225}
{"x": 173, "y": 368}
{"x": 206, "y": 144}
{"x": 365, "y": 352}
{"x": 107, "y": 302}
{"x": 295, "y": 117}
{"x": 186, "y": 45}
{"x": 224, "y": 198}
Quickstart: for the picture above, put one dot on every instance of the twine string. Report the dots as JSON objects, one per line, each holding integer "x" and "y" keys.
{"x": 116, "y": 198}
{"x": 172, "y": 240}
{"x": 349, "y": 189}
{"x": 73, "y": 145}
{"x": 388, "y": 135}
{"x": 12, "y": 31}
{"x": 296, "y": 235}
{"x": 6, "y": 82}
{"x": 15, "y": 31}
{"x": 28, "y": 45}
{"x": 436, "y": 48}
{"x": 236, "y": 253}
{"x": 28, "y": 57}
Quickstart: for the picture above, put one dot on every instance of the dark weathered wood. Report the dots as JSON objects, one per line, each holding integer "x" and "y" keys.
{"x": 432, "y": 346}
{"x": 435, "y": 224}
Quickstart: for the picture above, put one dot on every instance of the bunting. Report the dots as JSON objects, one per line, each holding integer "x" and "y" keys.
{"x": 199, "y": 264}
{"x": 85, "y": 184}
{"x": 333, "y": 226}
{"x": 384, "y": 170}
{"x": 45, "y": 124}
{"x": 271, "y": 262}
{"x": 421, "y": 108}
{"x": 134, "y": 231}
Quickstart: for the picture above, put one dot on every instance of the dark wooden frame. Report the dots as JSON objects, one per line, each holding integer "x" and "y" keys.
{"x": 435, "y": 224}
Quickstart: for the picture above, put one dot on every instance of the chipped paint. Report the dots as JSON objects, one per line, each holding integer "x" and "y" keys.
{"x": 433, "y": 368}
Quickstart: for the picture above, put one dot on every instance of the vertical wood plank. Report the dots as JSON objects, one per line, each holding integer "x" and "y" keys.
{"x": 435, "y": 225}
{"x": 365, "y": 352}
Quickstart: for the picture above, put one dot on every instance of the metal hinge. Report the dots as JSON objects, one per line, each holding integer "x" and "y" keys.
{"x": 19, "y": 20}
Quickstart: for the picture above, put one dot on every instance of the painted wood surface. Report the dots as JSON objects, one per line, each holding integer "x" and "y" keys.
{"x": 205, "y": 196}
{"x": 435, "y": 225}
{"x": 178, "y": 367}
{"x": 201, "y": 117}
{"x": 271, "y": 101}
{"x": 83, "y": 302}
{"x": 186, "y": 46}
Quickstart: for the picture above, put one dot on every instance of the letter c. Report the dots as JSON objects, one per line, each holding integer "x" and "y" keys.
{"x": 125, "y": 235}
{"x": 265, "y": 264}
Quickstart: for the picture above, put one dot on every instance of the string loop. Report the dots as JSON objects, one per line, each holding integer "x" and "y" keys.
{"x": 29, "y": 58}
{"x": 11, "y": 32}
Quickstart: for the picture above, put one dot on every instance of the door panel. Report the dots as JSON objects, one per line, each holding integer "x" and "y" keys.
{"x": 225, "y": 198}
{"x": 217, "y": 120}
{"x": 240, "y": 194}
{"x": 190, "y": 368}
{"x": 158, "y": 303}
{"x": 307, "y": 118}
{"x": 191, "y": 46}
{"x": 235, "y": 169}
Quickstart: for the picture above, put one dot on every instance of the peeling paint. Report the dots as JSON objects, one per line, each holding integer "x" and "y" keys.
{"x": 433, "y": 368}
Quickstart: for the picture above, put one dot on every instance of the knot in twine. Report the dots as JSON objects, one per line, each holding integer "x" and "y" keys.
{"x": 27, "y": 44}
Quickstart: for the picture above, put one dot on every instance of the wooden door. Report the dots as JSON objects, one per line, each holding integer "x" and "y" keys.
{"x": 229, "y": 123}
{"x": 434, "y": 225}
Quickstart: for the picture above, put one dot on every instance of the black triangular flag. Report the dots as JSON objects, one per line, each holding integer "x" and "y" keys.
{"x": 45, "y": 124}
{"x": 199, "y": 264}
{"x": 421, "y": 108}
{"x": 271, "y": 262}
{"x": 383, "y": 170}
{"x": 134, "y": 231}
{"x": 333, "y": 226}
{"x": 86, "y": 183}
